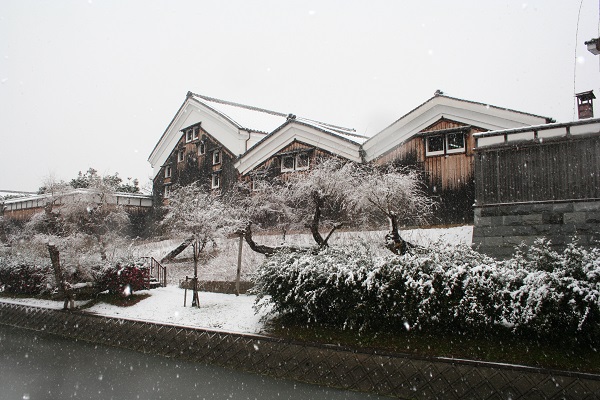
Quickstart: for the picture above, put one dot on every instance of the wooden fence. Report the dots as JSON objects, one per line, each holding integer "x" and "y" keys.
{"x": 559, "y": 167}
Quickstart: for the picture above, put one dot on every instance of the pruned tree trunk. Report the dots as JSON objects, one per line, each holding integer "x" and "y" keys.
{"x": 63, "y": 286}
{"x": 175, "y": 252}
{"x": 314, "y": 225}
{"x": 393, "y": 240}
{"x": 316, "y": 220}
{"x": 260, "y": 248}
{"x": 102, "y": 246}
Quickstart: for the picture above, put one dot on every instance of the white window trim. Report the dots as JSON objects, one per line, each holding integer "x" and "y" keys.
{"x": 195, "y": 134}
{"x": 180, "y": 156}
{"x": 201, "y": 148}
{"x": 167, "y": 191}
{"x": 215, "y": 181}
{"x": 459, "y": 150}
{"x": 216, "y": 157}
{"x": 283, "y": 168}
{"x": 296, "y": 162}
{"x": 168, "y": 171}
{"x": 188, "y": 135}
{"x": 435, "y": 153}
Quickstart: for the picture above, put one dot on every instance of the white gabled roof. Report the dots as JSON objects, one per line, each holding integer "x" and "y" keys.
{"x": 440, "y": 106}
{"x": 236, "y": 137}
{"x": 240, "y": 127}
{"x": 313, "y": 134}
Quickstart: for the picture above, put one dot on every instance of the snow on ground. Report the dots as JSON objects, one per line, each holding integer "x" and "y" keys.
{"x": 165, "y": 305}
{"x": 226, "y": 311}
{"x": 222, "y": 263}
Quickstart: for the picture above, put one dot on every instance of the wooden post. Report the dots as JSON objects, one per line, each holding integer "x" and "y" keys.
{"x": 239, "y": 266}
{"x": 185, "y": 290}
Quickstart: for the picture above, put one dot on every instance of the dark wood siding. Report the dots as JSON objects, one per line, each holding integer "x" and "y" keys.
{"x": 196, "y": 167}
{"x": 561, "y": 169}
{"x": 448, "y": 177}
{"x": 271, "y": 168}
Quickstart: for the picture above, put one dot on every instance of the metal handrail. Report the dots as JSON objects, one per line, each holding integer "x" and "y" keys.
{"x": 158, "y": 270}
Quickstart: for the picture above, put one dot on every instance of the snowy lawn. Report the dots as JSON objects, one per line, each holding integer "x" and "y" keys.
{"x": 165, "y": 305}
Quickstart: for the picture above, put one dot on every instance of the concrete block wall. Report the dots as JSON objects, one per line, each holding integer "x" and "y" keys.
{"x": 499, "y": 228}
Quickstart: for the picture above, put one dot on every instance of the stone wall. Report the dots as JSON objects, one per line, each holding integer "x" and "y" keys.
{"x": 499, "y": 228}
{"x": 372, "y": 371}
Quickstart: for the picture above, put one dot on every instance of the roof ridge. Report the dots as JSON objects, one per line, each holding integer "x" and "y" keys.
{"x": 346, "y": 131}
{"x": 240, "y": 105}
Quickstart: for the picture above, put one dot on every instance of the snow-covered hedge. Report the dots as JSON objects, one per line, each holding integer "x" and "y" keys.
{"x": 455, "y": 288}
{"x": 19, "y": 278}
{"x": 124, "y": 278}
{"x": 18, "y": 275}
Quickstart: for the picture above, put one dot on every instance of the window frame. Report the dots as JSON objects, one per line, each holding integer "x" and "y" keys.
{"x": 195, "y": 133}
{"x": 216, "y": 157}
{"x": 188, "y": 135}
{"x": 459, "y": 149}
{"x": 168, "y": 171}
{"x": 445, "y": 142}
{"x": 215, "y": 181}
{"x": 201, "y": 148}
{"x": 166, "y": 191}
{"x": 180, "y": 156}
{"x": 435, "y": 152}
{"x": 298, "y": 157}
{"x": 291, "y": 157}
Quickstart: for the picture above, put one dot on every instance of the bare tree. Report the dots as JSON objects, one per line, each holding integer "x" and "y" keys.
{"x": 196, "y": 213}
{"x": 315, "y": 199}
{"x": 68, "y": 214}
{"x": 396, "y": 194}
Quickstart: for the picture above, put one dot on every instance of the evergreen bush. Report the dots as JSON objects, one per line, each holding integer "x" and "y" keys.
{"x": 538, "y": 291}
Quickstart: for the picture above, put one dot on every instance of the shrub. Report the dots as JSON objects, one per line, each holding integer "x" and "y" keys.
{"x": 443, "y": 288}
{"x": 17, "y": 278}
{"x": 123, "y": 279}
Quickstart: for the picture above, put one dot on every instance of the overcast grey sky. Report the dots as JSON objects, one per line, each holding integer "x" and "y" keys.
{"x": 95, "y": 83}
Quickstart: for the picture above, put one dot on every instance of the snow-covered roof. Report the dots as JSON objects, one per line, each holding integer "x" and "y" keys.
{"x": 15, "y": 193}
{"x": 39, "y": 200}
{"x": 237, "y": 126}
{"x": 345, "y": 144}
{"x": 538, "y": 133}
{"x": 481, "y": 115}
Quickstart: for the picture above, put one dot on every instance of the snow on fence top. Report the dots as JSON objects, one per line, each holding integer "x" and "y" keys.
{"x": 537, "y": 133}
{"x": 38, "y": 201}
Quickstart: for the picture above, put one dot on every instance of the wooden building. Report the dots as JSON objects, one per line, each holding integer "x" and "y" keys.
{"x": 437, "y": 139}
{"x": 217, "y": 143}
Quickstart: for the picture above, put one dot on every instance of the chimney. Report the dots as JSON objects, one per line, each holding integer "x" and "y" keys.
{"x": 585, "y": 106}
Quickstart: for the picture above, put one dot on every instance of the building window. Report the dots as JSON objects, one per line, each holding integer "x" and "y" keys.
{"x": 216, "y": 157}
{"x": 435, "y": 145}
{"x": 189, "y": 135}
{"x": 216, "y": 181}
{"x": 302, "y": 161}
{"x": 455, "y": 142}
{"x": 180, "y": 156}
{"x": 287, "y": 163}
{"x": 257, "y": 184}
{"x": 442, "y": 144}
{"x": 167, "y": 192}
{"x": 201, "y": 148}
{"x": 295, "y": 162}
{"x": 168, "y": 171}
{"x": 195, "y": 134}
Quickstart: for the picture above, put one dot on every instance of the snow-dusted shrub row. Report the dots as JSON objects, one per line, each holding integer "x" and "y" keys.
{"x": 19, "y": 277}
{"x": 455, "y": 288}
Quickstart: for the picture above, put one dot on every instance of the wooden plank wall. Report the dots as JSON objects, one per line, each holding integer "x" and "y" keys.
{"x": 562, "y": 169}
{"x": 444, "y": 172}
